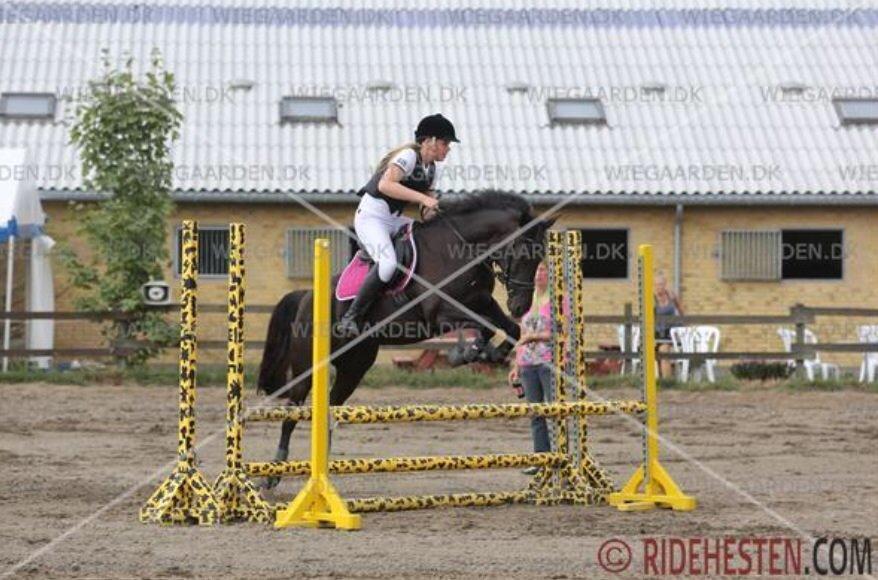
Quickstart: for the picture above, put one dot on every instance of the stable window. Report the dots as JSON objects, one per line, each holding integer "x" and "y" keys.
{"x": 772, "y": 255}
{"x": 604, "y": 253}
{"x": 213, "y": 251}
{"x": 300, "y": 249}
{"x": 813, "y": 254}
{"x": 856, "y": 111}
{"x": 750, "y": 255}
{"x": 577, "y": 111}
{"x": 27, "y": 105}
{"x": 308, "y": 109}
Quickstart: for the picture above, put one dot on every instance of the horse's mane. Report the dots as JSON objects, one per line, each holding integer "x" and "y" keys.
{"x": 486, "y": 200}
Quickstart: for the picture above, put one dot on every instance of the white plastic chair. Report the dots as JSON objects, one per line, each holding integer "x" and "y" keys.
{"x": 869, "y": 368}
{"x": 681, "y": 341}
{"x": 705, "y": 339}
{"x": 635, "y": 344}
{"x": 788, "y": 336}
{"x": 827, "y": 370}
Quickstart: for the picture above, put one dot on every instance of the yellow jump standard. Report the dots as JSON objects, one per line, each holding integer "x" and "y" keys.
{"x": 319, "y": 503}
{"x": 239, "y": 499}
{"x": 185, "y": 496}
{"x": 650, "y": 486}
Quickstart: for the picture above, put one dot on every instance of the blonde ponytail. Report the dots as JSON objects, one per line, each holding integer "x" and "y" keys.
{"x": 385, "y": 161}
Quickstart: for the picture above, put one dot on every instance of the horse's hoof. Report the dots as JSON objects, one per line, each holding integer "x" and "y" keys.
{"x": 472, "y": 354}
{"x": 269, "y": 483}
{"x": 455, "y": 357}
{"x": 488, "y": 354}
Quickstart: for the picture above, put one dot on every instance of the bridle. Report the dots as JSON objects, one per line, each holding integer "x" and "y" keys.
{"x": 510, "y": 282}
{"x": 502, "y": 275}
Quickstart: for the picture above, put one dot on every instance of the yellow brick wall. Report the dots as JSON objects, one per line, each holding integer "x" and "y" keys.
{"x": 702, "y": 290}
{"x": 705, "y": 293}
{"x": 266, "y": 269}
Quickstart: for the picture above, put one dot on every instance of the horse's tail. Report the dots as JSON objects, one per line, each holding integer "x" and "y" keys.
{"x": 278, "y": 343}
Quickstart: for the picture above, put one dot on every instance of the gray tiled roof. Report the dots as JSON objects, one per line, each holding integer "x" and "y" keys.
{"x": 722, "y": 130}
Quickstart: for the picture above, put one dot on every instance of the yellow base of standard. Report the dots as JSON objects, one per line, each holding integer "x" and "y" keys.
{"x": 318, "y": 504}
{"x": 661, "y": 491}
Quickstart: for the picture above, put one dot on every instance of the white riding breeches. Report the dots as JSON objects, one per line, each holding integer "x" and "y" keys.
{"x": 375, "y": 225}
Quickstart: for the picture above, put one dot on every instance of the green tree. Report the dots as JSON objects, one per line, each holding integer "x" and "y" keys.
{"x": 124, "y": 127}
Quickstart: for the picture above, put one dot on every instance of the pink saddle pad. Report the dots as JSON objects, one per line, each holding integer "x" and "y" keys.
{"x": 355, "y": 272}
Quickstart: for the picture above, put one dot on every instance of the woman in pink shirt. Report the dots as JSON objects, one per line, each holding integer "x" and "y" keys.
{"x": 533, "y": 357}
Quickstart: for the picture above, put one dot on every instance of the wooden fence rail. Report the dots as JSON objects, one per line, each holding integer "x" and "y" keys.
{"x": 799, "y": 317}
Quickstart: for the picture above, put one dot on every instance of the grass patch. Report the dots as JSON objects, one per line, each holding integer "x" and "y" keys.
{"x": 723, "y": 383}
{"x": 844, "y": 384}
{"x": 610, "y": 382}
{"x": 79, "y": 377}
{"x": 214, "y": 376}
{"x": 208, "y": 375}
{"x": 164, "y": 376}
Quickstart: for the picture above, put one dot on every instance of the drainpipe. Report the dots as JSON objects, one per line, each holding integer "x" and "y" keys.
{"x": 678, "y": 249}
{"x": 7, "y": 323}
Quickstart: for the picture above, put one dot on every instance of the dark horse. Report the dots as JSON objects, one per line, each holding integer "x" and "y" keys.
{"x": 447, "y": 246}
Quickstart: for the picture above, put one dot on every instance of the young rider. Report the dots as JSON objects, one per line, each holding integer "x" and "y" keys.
{"x": 404, "y": 175}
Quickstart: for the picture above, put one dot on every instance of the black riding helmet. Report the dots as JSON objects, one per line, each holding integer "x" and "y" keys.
{"x": 436, "y": 126}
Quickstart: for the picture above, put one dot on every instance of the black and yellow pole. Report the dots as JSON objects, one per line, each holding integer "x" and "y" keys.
{"x": 587, "y": 466}
{"x": 185, "y": 496}
{"x": 556, "y": 394}
{"x": 238, "y": 498}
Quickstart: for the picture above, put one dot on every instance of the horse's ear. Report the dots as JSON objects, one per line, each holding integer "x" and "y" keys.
{"x": 546, "y": 225}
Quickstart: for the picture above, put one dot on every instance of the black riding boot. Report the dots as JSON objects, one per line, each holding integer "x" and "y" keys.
{"x": 349, "y": 325}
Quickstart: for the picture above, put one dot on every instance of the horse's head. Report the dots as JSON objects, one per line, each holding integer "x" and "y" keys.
{"x": 519, "y": 263}
{"x": 505, "y": 222}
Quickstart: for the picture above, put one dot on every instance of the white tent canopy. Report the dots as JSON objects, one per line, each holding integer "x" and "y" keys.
{"x": 21, "y": 214}
{"x": 22, "y": 217}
